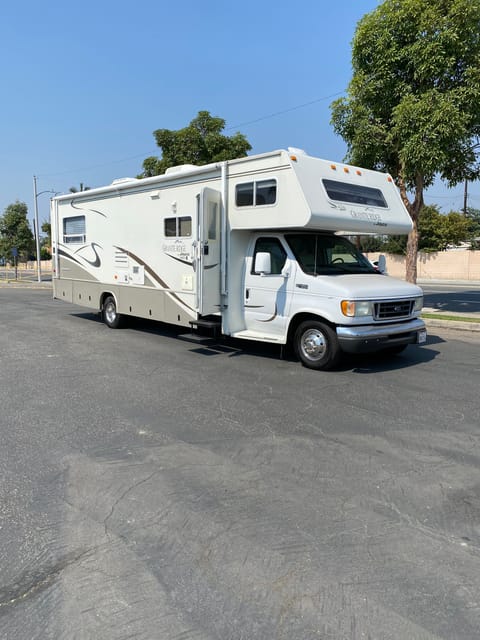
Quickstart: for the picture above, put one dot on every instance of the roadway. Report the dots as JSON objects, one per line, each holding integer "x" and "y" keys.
{"x": 158, "y": 489}
{"x": 452, "y": 297}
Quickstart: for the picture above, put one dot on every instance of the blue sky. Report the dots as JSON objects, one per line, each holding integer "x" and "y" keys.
{"x": 84, "y": 85}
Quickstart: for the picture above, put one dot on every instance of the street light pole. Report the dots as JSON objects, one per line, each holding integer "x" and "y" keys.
{"x": 37, "y": 230}
{"x": 35, "y": 222}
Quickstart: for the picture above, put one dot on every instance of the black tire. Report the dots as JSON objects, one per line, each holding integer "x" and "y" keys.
{"x": 316, "y": 345}
{"x": 111, "y": 317}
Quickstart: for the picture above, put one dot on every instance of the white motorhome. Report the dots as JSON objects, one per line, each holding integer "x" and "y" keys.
{"x": 254, "y": 246}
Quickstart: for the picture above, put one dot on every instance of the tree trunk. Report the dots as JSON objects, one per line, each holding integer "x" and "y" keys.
{"x": 412, "y": 253}
{"x": 413, "y": 209}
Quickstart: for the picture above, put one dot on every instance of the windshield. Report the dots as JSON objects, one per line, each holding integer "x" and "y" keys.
{"x": 319, "y": 254}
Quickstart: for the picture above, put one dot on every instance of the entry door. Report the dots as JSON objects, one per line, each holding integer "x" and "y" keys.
{"x": 267, "y": 296}
{"x": 209, "y": 251}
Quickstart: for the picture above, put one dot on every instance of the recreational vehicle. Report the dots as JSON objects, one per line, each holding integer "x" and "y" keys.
{"x": 254, "y": 248}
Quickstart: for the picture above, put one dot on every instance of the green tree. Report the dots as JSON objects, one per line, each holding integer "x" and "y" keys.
{"x": 15, "y": 232}
{"x": 473, "y": 217}
{"x": 201, "y": 142}
{"x": 456, "y": 228}
{"x": 413, "y": 104}
{"x": 436, "y": 230}
{"x": 431, "y": 229}
{"x": 370, "y": 244}
{"x": 396, "y": 245}
{"x": 82, "y": 188}
{"x": 46, "y": 241}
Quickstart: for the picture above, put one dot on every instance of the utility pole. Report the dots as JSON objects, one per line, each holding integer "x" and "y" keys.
{"x": 37, "y": 234}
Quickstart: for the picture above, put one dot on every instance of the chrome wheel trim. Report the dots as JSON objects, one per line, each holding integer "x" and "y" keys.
{"x": 110, "y": 312}
{"x": 313, "y": 344}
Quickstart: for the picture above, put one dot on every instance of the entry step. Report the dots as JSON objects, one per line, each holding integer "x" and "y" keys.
{"x": 209, "y": 323}
{"x": 198, "y": 338}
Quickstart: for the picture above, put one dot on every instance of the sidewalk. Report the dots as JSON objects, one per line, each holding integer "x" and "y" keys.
{"x": 25, "y": 284}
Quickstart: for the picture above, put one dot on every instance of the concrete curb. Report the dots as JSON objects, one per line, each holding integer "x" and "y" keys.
{"x": 17, "y": 284}
{"x": 457, "y": 325}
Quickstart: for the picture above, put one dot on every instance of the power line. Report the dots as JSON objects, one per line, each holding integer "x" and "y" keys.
{"x": 95, "y": 166}
{"x": 242, "y": 124}
{"x": 279, "y": 113}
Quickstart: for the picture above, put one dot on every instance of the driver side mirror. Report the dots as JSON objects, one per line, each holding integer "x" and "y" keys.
{"x": 382, "y": 264}
{"x": 263, "y": 263}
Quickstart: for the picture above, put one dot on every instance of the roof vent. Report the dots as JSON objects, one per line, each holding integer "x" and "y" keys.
{"x": 297, "y": 152}
{"x": 181, "y": 168}
{"x": 122, "y": 180}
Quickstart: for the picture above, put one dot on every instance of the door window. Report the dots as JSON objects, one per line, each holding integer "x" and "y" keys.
{"x": 274, "y": 247}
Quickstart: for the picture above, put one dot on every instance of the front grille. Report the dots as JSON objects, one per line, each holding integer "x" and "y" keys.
{"x": 392, "y": 309}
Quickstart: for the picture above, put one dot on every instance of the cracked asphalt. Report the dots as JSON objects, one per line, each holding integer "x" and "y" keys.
{"x": 157, "y": 489}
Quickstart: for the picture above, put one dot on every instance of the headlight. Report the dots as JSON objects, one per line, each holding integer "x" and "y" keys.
{"x": 356, "y": 308}
{"x": 418, "y": 304}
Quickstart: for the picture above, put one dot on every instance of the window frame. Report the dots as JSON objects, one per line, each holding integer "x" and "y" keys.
{"x": 257, "y": 250}
{"x": 374, "y": 191}
{"x": 179, "y": 222}
{"x": 255, "y": 184}
{"x": 77, "y": 237}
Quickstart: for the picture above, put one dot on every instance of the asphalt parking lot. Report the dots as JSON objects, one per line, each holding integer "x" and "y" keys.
{"x": 157, "y": 489}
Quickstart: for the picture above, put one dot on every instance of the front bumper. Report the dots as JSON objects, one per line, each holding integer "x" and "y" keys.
{"x": 365, "y": 338}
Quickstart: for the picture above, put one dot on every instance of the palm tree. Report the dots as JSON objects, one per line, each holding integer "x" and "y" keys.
{"x": 82, "y": 188}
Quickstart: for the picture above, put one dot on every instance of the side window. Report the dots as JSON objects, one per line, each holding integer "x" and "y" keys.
{"x": 274, "y": 247}
{"x": 256, "y": 194}
{"x": 244, "y": 194}
{"x": 212, "y": 221}
{"x": 265, "y": 192}
{"x": 185, "y": 226}
{"x": 354, "y": 193}
{"x": 74, "y": 230}
{"x": 170, "y": 227}
{"x": 181, "y": 227}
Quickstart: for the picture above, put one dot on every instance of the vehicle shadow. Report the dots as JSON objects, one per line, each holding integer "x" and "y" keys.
{"x": 209, "y": 346}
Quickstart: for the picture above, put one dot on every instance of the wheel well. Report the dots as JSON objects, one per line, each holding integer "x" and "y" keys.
{"x": 301, "y": 317}
{"x": 104, "y": 296}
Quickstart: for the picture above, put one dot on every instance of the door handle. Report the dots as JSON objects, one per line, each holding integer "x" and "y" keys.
{"x": 247, "y": 294}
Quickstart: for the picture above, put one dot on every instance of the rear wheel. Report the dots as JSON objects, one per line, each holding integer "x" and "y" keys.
{"x": 111, "y": 317}
{"x": 316, "y": 345}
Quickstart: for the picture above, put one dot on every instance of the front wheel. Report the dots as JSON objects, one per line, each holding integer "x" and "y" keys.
{"x": 111, "y": 317}
{"x": 316, "y": 345}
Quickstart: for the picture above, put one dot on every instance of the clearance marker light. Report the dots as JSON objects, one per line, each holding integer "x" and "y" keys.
{"x": 294, "y": 158}
{"x": 358, "y": 172}
{"x": 346, "y": 169}
{"x": 389, "y": 179}
{"x": 333, "y": 166}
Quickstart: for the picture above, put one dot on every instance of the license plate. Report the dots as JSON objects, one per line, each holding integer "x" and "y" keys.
{"x": 422, "y": 336}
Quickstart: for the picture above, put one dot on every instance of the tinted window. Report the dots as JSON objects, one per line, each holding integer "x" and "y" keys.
{"x": 327, "y": 254}
{"x": 181, "y": 227}
{"x": 278, "y": 255}
{"x": 265, "y": 192}
{"x": 354, "y": 193}
{"x": 257, "y": 193}
{"x": 170, "y": 227}
{"x": 244, "y": 194}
